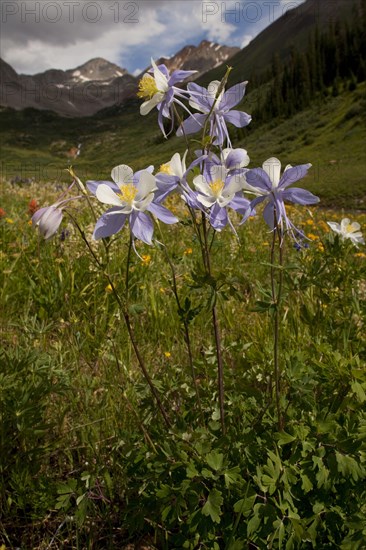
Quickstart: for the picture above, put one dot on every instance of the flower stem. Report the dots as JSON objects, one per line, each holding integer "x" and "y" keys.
{"x": 276, "y": 299}
{"x": 215, "y": 322}
{"x": 184, "y": 321}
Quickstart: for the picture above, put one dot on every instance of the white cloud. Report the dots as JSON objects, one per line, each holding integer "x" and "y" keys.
{"x": 63, "y": 34}
{"x": 247, "y": 38}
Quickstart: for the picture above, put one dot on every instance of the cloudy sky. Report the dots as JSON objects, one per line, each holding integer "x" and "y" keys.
{"x": 63, "y": 34}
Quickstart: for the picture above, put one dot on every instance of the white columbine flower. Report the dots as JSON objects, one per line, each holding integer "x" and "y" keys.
{"x": 348, "y": 230}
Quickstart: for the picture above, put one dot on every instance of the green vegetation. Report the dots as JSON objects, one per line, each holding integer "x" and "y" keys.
{"x": 86, "y": 460}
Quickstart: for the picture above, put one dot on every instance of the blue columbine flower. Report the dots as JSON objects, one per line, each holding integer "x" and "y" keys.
{"x": 48, "y": 220}
{"x": 267, "y": 183}
{"x": 216, "y": 191}
{"x": 130, "y": 195}
{"x": 218, "y": 107}
{"x": 159, "y": 90}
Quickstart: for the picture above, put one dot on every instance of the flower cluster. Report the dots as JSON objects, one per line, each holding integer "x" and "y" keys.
{"x": 217, "y": 180}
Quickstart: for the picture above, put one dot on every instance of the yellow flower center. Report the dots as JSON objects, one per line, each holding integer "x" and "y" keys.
{"x": 147, "y": 87}
{"x": 165, "y": 168}
{"x": 128, "y": 192}
{"x": 216, "y": 187}
{"x": 349, "y": 228}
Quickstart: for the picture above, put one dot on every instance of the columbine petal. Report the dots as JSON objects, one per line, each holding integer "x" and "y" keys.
{"x": 92, "y": 185}
{"x": 237, "y": 118}
{"x": 192, "y": 124}
{"x": 240, "y": 205}
{"x": 48, "y": 220}
{"x": 218, "y": 217}
{"x": 109, "y": 223}
{"x": 218, "y": 172}
{"x": 176, "y": 165}
{"x": 148, "y": 105}
{"x": 205, "y": 200}
{"x": 141, "y": 227}
{"x": 106, "y": 195}
{"x": 272, "y": 168}
{"x": 160, "y": 78}
{"x": 257, "y": 179}
{"x": 235, "y": 158}
{"x": 162, "y": 213}
{"x": 233, "y": 96}
{"x": 179, "y": 76}
{"x": 293, "y": 174}
{"x": 145, "y": 185}
{"x": 122, "y": 174}
{"x": 299, "y": 196}
{"x": 201, "y": 185}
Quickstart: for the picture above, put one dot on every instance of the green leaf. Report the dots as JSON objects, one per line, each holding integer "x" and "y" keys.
{"x": 191, "y": 471}
{"x": 253, "y": 525}
{"x": 359, "y": 391}
{"x": 215, "y": 460}
{"x": 283, "y": 438}
{"x": 281, "y": 534}
{"x": 232, "y": 476}
{"x": 349, "y": 467}
{"x": 306, "y": 483}
{"x": 213, "y": 505}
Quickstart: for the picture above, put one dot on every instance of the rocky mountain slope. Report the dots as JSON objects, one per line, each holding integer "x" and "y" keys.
{"x": 97, "y": 84}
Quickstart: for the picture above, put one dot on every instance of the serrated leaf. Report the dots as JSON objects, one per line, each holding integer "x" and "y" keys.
{"x": 232, "y": 476}
{"x": 191, "y": 471}
{"x": 213, "y": 505}
{"x": 348, "y": 466}
{"x": 306, "y": 483}
{"x": 215, "y": 460}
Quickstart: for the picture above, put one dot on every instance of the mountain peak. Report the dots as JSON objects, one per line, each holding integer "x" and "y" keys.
{"x": 96, "y": 69}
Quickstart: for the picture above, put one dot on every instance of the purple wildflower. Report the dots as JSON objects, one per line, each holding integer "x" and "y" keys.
{"x": 217, "y": 107}
{"x": 273, "y": 189}
{"x": 215, "y": 192}
{"x": 130, "y": 196}
{"x": 159, "y": 91}
{"x": 48, "y": 220}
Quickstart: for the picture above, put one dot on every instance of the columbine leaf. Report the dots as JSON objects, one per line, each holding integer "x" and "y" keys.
{"x": 213, "y": 505}
{"x": 215, "y": 460}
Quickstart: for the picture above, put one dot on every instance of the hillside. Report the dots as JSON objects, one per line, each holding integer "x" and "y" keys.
{"x": 291, "y": 30}
{"x": 329, "y": 135}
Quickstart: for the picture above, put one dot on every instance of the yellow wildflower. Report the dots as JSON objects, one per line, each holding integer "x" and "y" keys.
{"x": 146, "y": 259}
{"x": 167, "y": 354}
{"x": 108, "y": 288}
{"x": 188, "y": 251}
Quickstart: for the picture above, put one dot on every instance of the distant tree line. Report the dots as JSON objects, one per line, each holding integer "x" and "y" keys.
{"x": 334, "y": 59}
